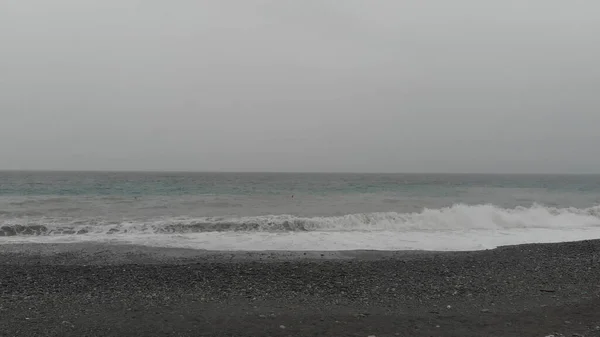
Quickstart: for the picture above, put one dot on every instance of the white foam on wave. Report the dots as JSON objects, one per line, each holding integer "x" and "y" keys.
{"x": 460, "y": 227}
{"x": 324, "y": 241}
{"x": 457, "y": 217}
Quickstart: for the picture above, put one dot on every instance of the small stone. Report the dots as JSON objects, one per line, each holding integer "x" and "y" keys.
{"x": 67, "y": 323}
{"x": 371, "y": 336}
{"x": 485, "y": 310}
{"x": 282, "y": 326}
{"x": 449, "y": 307}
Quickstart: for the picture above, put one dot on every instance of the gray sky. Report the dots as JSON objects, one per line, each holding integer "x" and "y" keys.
{"x": 289, "y": 85}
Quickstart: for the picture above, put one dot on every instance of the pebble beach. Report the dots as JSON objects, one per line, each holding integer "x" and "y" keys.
{"x": 121, "y": 290}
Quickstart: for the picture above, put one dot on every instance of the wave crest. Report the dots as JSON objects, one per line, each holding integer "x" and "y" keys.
{"x": 456, "y": 217}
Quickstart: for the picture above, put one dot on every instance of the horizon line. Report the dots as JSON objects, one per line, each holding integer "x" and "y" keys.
{"x": 284, "y": 172}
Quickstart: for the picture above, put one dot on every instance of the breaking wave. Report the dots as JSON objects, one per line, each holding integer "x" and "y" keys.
{"x": 457, "y": 217}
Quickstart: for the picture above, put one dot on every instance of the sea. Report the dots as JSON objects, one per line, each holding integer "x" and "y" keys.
{"x": 298, "y": 211}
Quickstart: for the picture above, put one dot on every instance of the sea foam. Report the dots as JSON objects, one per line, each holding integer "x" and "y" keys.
{"x": 459, "y": 227}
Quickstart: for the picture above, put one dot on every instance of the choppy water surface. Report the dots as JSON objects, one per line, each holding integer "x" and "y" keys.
{"x": 298, "y": 211}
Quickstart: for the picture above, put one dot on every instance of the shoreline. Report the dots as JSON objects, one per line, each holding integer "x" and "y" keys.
{"x": 99, "y": 253}
{"x": 118, "y": 253}
{"x": 117, "y": 290}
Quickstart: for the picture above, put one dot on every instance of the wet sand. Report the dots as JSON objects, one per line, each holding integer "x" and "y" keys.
{"x": 116, "y": 290}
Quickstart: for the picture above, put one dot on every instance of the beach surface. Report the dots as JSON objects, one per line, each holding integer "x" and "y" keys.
{"x": 118, "y": 290}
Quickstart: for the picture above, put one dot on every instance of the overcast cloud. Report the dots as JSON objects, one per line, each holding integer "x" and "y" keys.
{"x": 255, "y": 85}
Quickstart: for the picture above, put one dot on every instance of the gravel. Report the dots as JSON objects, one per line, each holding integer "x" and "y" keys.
{"x": 109, "y": 290}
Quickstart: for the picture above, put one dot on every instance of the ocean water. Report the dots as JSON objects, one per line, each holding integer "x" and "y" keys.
{"x": 285, "y": 211}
